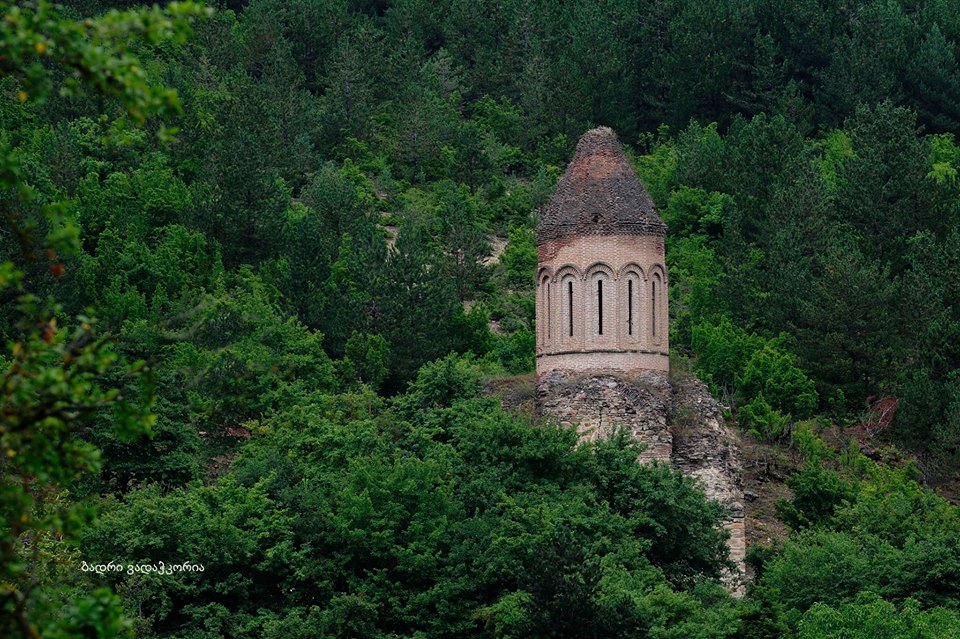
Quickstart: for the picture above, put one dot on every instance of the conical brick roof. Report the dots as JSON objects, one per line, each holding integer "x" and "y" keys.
{"x": 599, "y": 194}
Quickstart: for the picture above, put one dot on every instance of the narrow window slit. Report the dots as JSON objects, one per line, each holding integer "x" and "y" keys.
{"x": 653, "y": 296}
{"x": 629, "y": 307}
{"x": 570, "y": 305}
{"x": 549, "y": 320}
{"x": 600, "y": 307}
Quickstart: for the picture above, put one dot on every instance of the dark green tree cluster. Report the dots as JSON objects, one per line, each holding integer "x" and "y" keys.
{"x": 359, "y": 160}
{"x": 813, "y": 273}
{"x": 60, "y": 378}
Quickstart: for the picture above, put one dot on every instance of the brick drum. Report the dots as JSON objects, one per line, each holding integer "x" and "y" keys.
{"x": 611, "y": 283}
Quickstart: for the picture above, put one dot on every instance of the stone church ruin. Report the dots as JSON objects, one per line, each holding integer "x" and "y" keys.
{"x": 603, "y": 333}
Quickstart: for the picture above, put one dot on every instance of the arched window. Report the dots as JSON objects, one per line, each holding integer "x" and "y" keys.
{"x": 543, "y": 311}
{"x": 630, "y": 305}
{"x": 567, "y": 305}
{"x": 653, "y": 294}
{"x": 599, "y": 303}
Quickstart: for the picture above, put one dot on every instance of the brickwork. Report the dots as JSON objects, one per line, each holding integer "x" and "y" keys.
{"x": 602, "y": 304}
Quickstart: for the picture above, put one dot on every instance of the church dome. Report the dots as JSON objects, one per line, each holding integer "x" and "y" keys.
{"x": 599, "y": 194}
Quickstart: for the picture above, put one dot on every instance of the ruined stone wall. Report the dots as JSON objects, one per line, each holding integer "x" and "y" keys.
{"x": 678, "y": 421}
{"x": 597, "y": 404}
{"x": 705, "y": 448}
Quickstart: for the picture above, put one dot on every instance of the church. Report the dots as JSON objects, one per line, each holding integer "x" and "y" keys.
{"x": 601, "y": 277}
{"x": 603, "y": 360}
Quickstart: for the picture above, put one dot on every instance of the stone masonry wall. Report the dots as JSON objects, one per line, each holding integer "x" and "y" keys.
{"x": 678, "y": 420}
{"x": 703, "y": 447}
{"x": 599, "y": 403}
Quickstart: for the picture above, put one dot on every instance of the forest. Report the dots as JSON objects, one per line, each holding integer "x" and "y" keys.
{"x": 261, "y": 259}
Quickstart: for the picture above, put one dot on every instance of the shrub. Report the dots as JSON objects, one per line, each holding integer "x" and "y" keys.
{"x": 763, "y": 421}
{"x": 723, "y": 350}
{"x": 772, "y": 373}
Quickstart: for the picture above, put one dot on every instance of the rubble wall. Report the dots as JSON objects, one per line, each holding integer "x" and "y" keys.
{"x": 677, "y": 420}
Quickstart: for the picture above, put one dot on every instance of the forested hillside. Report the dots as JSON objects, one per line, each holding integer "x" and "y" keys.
{"x": 251, "y": 299}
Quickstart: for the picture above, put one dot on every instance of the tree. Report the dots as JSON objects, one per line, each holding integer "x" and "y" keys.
{"x": 52, "y": 382}
{"x": 772, "y": 373}
{"x": 934, "y": 81}
{"x": 865, "y": 65}
{"x": 864, "y": 528}
{"x": 461, "y": 238}
{"x": 436, "y": 514}
{"x": 870, "y": 616}
{"x": 723, "y": 351}
{"x": 418, "y": 301}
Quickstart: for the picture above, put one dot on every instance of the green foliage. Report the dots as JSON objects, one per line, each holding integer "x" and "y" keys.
{"x": 870, "y": 616}
{"x": 421, "y": 313}
{"x": 772, "y": 375}
{"x": 761, "y": 420}
{"x": 516, "y": 351}
{"x": 245, "y": 359}
{"x": 236, "y": 533}
{"x": 441, "y": 517}
{"x": 944, "y": 156}
{"x": 657, "y": 167}
{"x": 761, "y": 615}
{"x": 462, "y": 238}
{"x": 519, "y": 259}
{"x": 367, "y": 357}
{"x": 723, "y": 351}
{"x": 53, "y": 388}
{"x": 694, "y": 211}
{"x": 321, "y": 230}
{"x": 835, "y": 148}
{"x": 761, "y": 374}
{"x": 443, "y": 382}
{"x": 57, "y": 380}
{"x": 818, "y": 491}
{"x": 695, "y": 281}
{"x": 865, "y": 528}
{"x": 928, "y": 417}
{"x": 94, "y": 53}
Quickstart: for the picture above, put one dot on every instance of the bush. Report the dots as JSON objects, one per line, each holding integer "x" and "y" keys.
{"x": 771, "y": 373}
{"x": 441, "y": 383}
{"x": 863, "y": 528}
{"x": 461, "y": 521}
{"x": 517, "y": 351}
{"x": 723, "y": 351}
{"x": 367, "y": 358}
{"x": 763, "y": 421}
{"x": 519, "y": 259}
{"x": 870, "y": 616}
